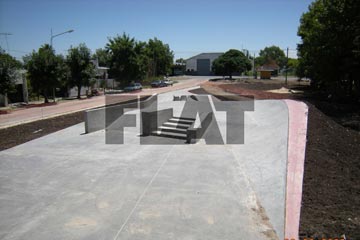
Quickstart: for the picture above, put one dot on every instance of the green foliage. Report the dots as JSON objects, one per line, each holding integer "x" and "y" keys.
{"x": 180, "y": 61}
{"x": 8, "y": 67}
{"x": 80, "y": 66}
{"x": 45, "y": 70}
{"x": 161, "y": 57}
{"x": 292, "y": 66}
{"x": 271, "y": 54}
{"x": 103, "y": 57}
{"x": 179, "y": 67}
{"x": 124, "y": 61}
{"x": 230, "y": 62}
{"x": 330, "y": 49}
{"x": 134, "y": 60}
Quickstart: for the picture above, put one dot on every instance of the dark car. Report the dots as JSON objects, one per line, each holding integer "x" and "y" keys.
{"x": 133, "y": 87}
{"x": 158, "y": 83}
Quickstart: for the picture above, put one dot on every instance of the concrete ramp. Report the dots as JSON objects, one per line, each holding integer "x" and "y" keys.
{"x": 71, "y": 185}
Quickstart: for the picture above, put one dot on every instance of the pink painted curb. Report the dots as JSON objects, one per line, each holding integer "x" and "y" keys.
{"x": 298, "y": 116}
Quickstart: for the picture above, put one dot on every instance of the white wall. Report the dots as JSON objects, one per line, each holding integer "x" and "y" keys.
{"x": 191, "y": 63}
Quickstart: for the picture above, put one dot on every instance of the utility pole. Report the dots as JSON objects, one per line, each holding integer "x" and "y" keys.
{"x": 253, "y": 63}
{"x": 287, "y": 60}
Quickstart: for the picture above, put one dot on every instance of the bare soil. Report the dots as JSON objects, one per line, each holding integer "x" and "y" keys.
{"x": 13, "y": 136}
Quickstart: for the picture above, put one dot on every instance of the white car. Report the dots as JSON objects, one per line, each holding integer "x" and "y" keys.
{"x": 168, "y": 82}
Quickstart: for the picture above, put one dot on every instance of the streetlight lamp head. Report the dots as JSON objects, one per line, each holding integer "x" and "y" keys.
{"x": 71, "y": 30}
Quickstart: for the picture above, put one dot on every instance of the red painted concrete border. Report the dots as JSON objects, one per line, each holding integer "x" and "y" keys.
{"x": 298, "y": 112}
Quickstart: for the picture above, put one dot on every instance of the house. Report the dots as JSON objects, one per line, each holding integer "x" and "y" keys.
{"x": 201, "y": 64}
{"x": 21, "y": 90}
{"x": 267, "y": 70}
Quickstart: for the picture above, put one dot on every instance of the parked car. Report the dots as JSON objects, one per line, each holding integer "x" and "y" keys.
{"x": 168, "y": 82}
{"x": 158, "y": 83}
{"x": 95, "y": 92}
{"x": 133, "y": 87}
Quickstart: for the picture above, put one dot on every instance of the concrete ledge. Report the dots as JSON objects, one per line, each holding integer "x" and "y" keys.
{"x": 193, "y": 134}
{"x": 98, "y": 118}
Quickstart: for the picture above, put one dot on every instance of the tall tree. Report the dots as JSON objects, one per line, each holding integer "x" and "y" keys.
{"x": 271, "y": 54}
{"x": 80, "y": 66}
{"x": 230, "y": 62}
{"x": 160, "y": 56}
{"x": 124, "y": 62}
{"x": 8, "y": 67}
{"x": 44, "y": 70}
{"x": 330, "y": 48}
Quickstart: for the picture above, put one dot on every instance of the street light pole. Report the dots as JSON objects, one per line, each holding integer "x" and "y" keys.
{"x": 56, "y": 35}
{"x": 51, "y": 45}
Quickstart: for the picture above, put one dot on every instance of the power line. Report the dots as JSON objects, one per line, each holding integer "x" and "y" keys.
{"x": 7, "y": 43}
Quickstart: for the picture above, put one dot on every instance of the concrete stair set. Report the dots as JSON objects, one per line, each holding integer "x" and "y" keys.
{"x": 175, "y": 127}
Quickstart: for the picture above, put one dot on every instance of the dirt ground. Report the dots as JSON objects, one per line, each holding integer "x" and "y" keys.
{"x": 12, "y": 136}
{"x": 331, "y": 188}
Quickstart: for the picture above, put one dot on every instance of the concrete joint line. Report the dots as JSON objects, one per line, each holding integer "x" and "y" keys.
{"x": 143, "y": 194}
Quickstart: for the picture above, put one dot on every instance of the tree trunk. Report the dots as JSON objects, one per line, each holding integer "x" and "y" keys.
{"x": 46, "y": 99}
{"x": 6, "y": 101}
{"x": 230, "y": 76}
{"x": 79, "y": 91}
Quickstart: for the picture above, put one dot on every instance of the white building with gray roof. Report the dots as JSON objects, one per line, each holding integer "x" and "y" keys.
{"x": 201, "y": 64}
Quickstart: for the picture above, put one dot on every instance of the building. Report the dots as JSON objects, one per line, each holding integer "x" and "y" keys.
{"x": 21, "y": 90}
{"x": 268, "y": 70}
{"x": 201, "y": 64}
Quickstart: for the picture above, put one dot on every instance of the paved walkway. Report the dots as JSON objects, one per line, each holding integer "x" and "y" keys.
{"x": 38, "y": 113}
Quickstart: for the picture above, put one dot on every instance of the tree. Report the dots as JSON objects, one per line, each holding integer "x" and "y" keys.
{"x": 103, "y": 57}
{"x": 44, "y": 70}
{"x": 179, "y": 67}
{"x": 80, "y": 66}
{"x": 142, "y": 59}
{"x": 133, "y": 60}
{"x": 8, "y": 67}
{"x": 124, "y": 62}
{"x": 292, "y": 65}
{"x": 230, "y": 62}
{"x": 160, "y": 56}
{"x": 180, "y": 61}
{"x": 271, "y": 54}
{"x": 330, "y": 49}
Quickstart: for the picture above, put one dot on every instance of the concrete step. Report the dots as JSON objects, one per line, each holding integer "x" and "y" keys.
{"x": 180, "y": 120}
{"x": 162, "y": 133}
{"x": 172, "y": 129}
{"x": 185, "y": 118}
{"x": 177, "y": 125}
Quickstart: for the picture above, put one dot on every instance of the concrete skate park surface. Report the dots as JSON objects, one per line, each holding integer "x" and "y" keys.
{"x": 71, "y": 185}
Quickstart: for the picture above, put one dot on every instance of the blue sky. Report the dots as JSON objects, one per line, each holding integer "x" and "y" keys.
{"x": 189, "y": 27}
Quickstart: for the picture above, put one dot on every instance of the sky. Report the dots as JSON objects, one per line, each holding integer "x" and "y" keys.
{"x": 189, "y": 27}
